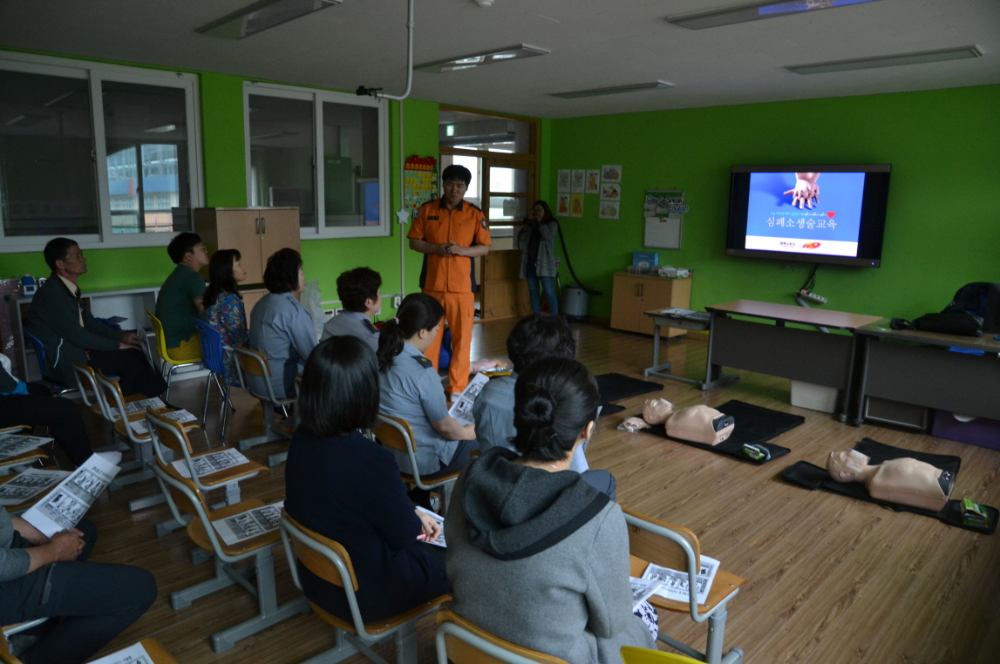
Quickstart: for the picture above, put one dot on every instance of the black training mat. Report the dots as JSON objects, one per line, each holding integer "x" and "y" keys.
{"x": 611, "y": 409}
{"x": 755, "y": 425}
{"x": 813, "y": 477}
{"x": 615, "y": 387}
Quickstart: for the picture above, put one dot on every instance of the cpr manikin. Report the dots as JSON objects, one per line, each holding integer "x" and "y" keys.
{"x": 698, "y": 424}
{"x": 904, "y": 481}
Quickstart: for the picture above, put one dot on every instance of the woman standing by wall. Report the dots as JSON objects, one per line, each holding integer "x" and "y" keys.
{"x": 538, "y": 259}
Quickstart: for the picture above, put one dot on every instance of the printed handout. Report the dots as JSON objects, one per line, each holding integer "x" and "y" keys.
{"x": 134, "y": 654}
{"x": 440, "y": 520}
{"x": 247, "y": 525}
{"x": 207, "y": 464}
{"x": 674, "y": 584}
{"x": 12, "y": 445}
{"x": 461, "y": 410}
{"x": 642, "y": 589}
{"x": 181, "y": 416}
{"x": 143, "y": 404}
{"x": 29, "y": 484}
{"x": 65, "y": 505}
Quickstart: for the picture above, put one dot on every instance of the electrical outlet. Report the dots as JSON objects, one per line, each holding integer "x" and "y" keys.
{"x": 396, "y": 301}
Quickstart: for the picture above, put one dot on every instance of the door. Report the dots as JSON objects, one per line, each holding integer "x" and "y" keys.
{"x": 508, "y": 190}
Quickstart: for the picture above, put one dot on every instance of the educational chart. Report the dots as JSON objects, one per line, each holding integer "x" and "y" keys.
{"x": 420, "y": 180}
{"x": 63, "y": 508}
{"x": 593, "y": 181}
{"x": 664, "y": 210}
{"x": 805, "y": 213}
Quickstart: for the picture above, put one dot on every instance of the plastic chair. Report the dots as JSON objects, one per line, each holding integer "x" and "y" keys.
{"x": 330, "y": 561}
{"x": 676, "y": 547}
{"x": 254, "y": 363}
{"x": 39, "y": 348}
{"x": 633, "y": 655}
{"x": 459, "y": 641}
{"x": 212, "y": 357}
{"x": 395, "y": 432}
{"x": 170, "y": 365}
{"x": 184, "y": 497}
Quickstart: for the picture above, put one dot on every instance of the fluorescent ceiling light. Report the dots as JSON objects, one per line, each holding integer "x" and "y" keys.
{"x": 518, "y": 52}
{"x": 14, "y": 121}
{"x": 162, "y": 129}
{"x": 920, "y": 58}
{"x": 756, "y": 11}
{"x": 262, "y": 16}
{"x": 614, "y": 90}
{"x": 58, "y": 99}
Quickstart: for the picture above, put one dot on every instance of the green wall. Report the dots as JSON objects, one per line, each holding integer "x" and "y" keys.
{"x": 942, "y": 228}
{"x": 224, "y": 159}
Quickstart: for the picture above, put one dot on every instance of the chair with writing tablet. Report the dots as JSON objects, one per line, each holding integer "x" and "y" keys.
{"x": 185, "y": 498}
{"x": 395, "y": 432}
{"x": 676, "y": 547}
{"x": 330, "y": 561}
{"x": 251, "y": 362}
{"x": 24, "y": 459}
{"x": 213, "y": 357}
{"x": 170, "y": 365}
{"x": 633, "y": 655}
{"x": 171, "y": 444}
{"x": 459, "y": 641}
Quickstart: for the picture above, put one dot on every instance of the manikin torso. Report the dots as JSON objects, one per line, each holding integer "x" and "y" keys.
{"x": 905, "y": 481}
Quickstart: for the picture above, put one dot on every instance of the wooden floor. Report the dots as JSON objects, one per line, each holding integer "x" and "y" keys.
{"x": 831, "y": 580}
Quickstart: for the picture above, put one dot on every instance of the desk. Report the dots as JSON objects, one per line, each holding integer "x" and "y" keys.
{"x": 662, "y": 319}
{"x": 914, "y": 367}
{"x": 811, "y": 356}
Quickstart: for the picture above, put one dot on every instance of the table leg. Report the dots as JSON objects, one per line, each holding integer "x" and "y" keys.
{"x": 860, "y": 404}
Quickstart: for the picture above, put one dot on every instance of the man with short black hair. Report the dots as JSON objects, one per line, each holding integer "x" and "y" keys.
{"x": 179, "y": 301}
{"x": 360, "y": 292}
{"x": 451, "y": 233}
{"x": 69, "y": 332}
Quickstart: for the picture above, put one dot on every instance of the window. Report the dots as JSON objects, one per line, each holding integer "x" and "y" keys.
{"x": 322, "y": 152}
{"x": 107, "y": 155}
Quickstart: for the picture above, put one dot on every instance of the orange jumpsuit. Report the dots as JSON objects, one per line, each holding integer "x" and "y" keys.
{"x": 450, "y": 279}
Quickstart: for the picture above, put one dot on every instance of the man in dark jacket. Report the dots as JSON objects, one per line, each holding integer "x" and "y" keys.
{"x": 70, "y": 333}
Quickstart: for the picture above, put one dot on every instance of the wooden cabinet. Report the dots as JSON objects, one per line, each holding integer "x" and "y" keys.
{"x": 636, "y": 293}
{"x": 255, "y": 232}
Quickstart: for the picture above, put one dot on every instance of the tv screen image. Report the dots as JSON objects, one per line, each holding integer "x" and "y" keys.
{"x": 820, "y": 214}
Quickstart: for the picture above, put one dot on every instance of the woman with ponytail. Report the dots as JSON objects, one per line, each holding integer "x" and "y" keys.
{"x": 411, "y": 389}
{"x": 522, "y": 532}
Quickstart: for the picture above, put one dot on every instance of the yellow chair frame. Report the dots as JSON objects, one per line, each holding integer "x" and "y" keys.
{"x": 170, "y": 365}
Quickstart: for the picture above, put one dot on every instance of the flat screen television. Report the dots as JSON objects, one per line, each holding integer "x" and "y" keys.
{"x": 809, "y": 213}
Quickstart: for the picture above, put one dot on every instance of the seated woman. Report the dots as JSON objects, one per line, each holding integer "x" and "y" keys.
{"x": 540, "y": 542}
{"x": 346, "y": 487}
{"x": 411, "y": 389}
{"x": 224, "y": 306}
{"x": 535, "y": 337}
{"x": 280, "y": 327}
{"x": 96, "y": 601}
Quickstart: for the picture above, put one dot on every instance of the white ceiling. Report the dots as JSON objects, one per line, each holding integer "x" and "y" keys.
{"x": 593, "y": 43}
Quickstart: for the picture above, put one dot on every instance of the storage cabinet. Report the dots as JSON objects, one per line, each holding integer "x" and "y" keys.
{"x": 256, "y": 232}
{"x": 636, "y": 293}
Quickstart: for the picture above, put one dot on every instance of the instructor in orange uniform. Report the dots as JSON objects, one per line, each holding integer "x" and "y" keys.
{"x": 451, "y": 232}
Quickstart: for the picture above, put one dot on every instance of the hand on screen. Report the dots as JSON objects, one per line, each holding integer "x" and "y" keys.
{"x": 806, "y": 190}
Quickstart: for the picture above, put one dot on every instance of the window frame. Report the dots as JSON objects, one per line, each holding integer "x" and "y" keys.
{"x": 318, "y": 97}
{"x": 95, "y": 73}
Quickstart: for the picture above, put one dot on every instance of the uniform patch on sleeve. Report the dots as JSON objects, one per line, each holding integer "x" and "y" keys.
{"x": 424, "y": 362}
{"x": 484, "y": 223}
{"x": 432, "y": 217}
{"x": 370, "y": 326}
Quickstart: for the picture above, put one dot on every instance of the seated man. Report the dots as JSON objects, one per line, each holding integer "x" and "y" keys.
{"x": 95, "y": 601}
{"x": 34, "y": 405}
{"x": 534, "y": 338}
{"x": 70, "y": 333}
{"x": 360, "y": 292}
{"x": 179, "y": 301}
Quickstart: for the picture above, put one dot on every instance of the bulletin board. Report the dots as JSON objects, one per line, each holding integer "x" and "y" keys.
{"x": 663, "y": 213}
{"x": 420, "y": 183}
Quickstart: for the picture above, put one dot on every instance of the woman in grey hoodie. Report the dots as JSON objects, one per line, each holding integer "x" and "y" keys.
{"x": 535, "y": 555}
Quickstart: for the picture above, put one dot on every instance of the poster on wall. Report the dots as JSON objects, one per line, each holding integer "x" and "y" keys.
{"x": 611, "y": 174}
{"x": 611, "y": 192}
{"x": 563, "y": 181}
{"x": 609, "y": 210}
{"x": 562, "y": 205}
{"x": 593, "y": 181}
{"x": 579, "y": 181}
{"x": 664, "y": 218}
{"x": 576, "y": 205}
{"x": 420, "y": 181}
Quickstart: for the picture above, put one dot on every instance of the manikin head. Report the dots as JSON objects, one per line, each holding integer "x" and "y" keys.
{"x": 847, "y": 465}
{"x": 657, "y": 411}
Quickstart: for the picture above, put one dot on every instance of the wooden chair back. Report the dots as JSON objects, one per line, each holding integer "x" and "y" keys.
{"x": 318, "y": 559}
{"x": 252, "y": 362}
{"x": 86, "y": 380}
{"x": 395, "y": 432}
{"x": 461, "y": 642}
{"x": 168, "y": 433}
{"x": 657, "y": 549}
{"x": 111, "y": 392}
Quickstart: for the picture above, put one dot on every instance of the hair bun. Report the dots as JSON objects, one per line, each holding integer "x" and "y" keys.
{"x": 538, "y": 409}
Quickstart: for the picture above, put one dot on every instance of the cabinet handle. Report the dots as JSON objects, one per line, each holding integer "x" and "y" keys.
{"x": 263, "y": 226}
{"x": 642, "y": 289}
{"x": 257, "y": 220}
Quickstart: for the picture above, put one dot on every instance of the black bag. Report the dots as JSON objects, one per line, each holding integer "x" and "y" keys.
{"x": 980, "y": 299}
{"x": 957, "y": 322}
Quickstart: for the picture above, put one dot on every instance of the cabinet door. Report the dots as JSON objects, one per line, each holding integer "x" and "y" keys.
{"x": 662, "y": 293}
{"x": 278, "y": 229}
{"x": 238, "y": 229}
{"x": 626, "y": 304}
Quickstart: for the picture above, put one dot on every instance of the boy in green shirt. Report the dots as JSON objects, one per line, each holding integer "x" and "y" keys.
{"x": 179, "y": 302}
